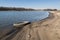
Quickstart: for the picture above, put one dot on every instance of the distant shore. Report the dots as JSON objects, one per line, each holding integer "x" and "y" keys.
{"x": 15, "y": 9}
{"x": 24, "y": 9}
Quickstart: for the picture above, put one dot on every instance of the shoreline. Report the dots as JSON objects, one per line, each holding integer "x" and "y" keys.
{"x": 50, "y": 16}
{"x": 42, "y": 29}
{"x": 9, "y": 31}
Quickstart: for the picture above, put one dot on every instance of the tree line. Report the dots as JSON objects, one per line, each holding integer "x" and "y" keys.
{"x": 15, "y": 9}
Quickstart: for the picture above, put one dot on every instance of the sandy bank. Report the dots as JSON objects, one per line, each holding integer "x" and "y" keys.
{"x": 49, "y": 29}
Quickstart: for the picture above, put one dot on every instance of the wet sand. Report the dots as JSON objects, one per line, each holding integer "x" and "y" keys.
{"x": 46, "y": 29}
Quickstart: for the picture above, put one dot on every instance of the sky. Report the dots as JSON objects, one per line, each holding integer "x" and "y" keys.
{"x": 31, "y": 3}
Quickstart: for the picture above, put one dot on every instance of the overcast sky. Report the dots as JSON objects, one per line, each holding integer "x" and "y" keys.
{"x": 31, "y": 3}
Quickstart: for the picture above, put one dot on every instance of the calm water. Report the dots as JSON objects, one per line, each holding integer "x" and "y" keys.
{"x": 7, "y": 18}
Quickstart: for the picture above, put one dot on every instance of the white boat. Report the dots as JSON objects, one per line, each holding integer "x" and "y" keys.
{"x": 21, "y": 24}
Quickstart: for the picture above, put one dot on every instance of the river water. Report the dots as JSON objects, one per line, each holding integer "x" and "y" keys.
{"x": 8, "y": 18}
